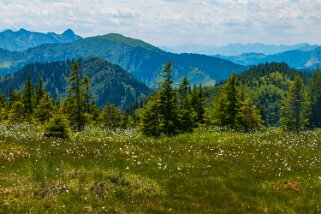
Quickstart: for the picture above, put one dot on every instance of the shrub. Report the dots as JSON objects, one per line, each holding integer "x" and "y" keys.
{"x": 57, "y": 127}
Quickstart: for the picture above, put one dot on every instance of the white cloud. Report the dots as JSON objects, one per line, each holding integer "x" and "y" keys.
{"x": 172, "y": 22}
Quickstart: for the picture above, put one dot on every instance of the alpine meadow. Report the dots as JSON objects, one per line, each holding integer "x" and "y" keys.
{"x": 216, "y": 108}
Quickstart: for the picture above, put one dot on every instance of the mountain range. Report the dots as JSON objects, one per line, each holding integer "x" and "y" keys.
{"x": 295, "y": 58}
{"x": 238, "y": 48}
{"x": 142, "y": 60}
{"x": 22, "y": 39}
{"x": 110, "y": 83}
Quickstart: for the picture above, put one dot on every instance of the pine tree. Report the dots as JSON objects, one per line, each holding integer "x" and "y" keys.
{"x": 198, "y": 103}
{"x": 111, "y": 117}
{"x": 28, "y": 97}
{"x": 58, "y": 126}
{"x": 17, "y": 113}
{"x": 296, "y": 107}
{"x": 186, "y": 114}
{"x": 248, "y": 117}
{"x": 74, "y": 102}
{"x": 218, "y": 114}
{"x": 232, "y": 101}
{"x": 86, "y": 94}
{"x": 168, "y": 108}
{"x": 315, "y": 95}
{"x": 150, "y": 116}
{"x": 40, "y": 91}
{"x": 43, "y": 110}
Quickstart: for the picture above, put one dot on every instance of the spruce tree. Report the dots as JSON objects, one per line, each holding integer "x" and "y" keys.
{"x": 150, "y": 116}
{"x": 86, "y": 94}
{"x": 28, "y": 97}
{"x": 168, "y": 107}
{"x": 17, "y": 113}
{"x": 314, "y": 89}
{"x": 296, "y": 107}
{"x": 40, "y": 92}
{"x": 111, "y": 117}
{"x": 198, "y": 103}
{"x": 232, "y": 101}
{"x": 248, "y": 117}
{"x": 186, "y": 114}
{"x": 74, "y": 102}
{"x": 58, "y": 126}
{"x": 43, "y": 110}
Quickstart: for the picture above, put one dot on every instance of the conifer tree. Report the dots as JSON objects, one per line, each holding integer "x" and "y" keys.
{"x": 43, "y": 110}
{"x": 28, "y": 97}
{"x": 17, "y": 113}
{"x": 232, "y": 101}
{"x": 40, "y": 91}
{"x": 218, "y": 114}
{"x": 111, "y": 117}
{"x": 58, "y": 126}
{"x": 186, "y": 114}
{"x": 198, "y": 103}
{"x": 150, "y": 116}
{"x": 296, "y": 107}
{"x": 74, "y": 102}
{"x": 168, "y": 108}
{"x": 248, "y": 117}
{"x": 86, "y": 94}
{"x": 314, "y": 89}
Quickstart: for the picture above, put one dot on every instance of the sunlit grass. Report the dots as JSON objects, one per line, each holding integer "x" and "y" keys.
{"x": 105, "y": 171}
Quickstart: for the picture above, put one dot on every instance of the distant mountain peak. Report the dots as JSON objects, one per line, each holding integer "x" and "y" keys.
{"x": 23, "y": 39}
{"x": 69, "y": 32}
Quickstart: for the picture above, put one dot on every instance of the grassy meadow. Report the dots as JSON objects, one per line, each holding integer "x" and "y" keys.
{"x": 99, "y": 171}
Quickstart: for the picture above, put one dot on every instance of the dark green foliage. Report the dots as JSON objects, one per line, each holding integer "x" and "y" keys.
{"x": 171, "y": 111}
{"x": 186, "y": 113}
{"x": 28, "y": 97}
{"x": 111, "y": 117}
{"x": 167, "y": 102}
{"x": 17, "y": 113}
{"x": 57, "y": 127}
{"x": 43, "y": 110}
{"x": 198, "y": 103}
{"x": 75, "y": 110}
{"x": 296, "y": 107}
{"x": 266, "y": 85}
{"x": 40, "y": 92}
{"x": 150, "y": 117}
{"x": 314, "y": 89}
{"x": 233, "y": 110}
{"x": 109, "y": 83}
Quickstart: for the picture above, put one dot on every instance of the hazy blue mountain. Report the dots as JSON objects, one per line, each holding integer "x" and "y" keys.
{"x": 238, "y": 48}
{"x": 142, "y": 60}
{"x": 295, "y": 58}
{"x": 23, "y": 39}
{"x": 110, "y": 83}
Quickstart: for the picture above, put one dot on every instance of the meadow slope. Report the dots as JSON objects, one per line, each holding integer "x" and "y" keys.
{"x": 123, "y": 172}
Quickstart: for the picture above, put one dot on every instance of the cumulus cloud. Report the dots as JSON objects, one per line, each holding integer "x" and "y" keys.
{"x": 172, "y": 22}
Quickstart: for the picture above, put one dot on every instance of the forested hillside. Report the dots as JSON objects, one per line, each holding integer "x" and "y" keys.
{"x": 142, "y": 60}
{"x": 267, "y": 86}
{"x": 109, "y": 82}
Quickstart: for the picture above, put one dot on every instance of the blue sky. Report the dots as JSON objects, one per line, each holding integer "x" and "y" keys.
{"x": 172, "y": 22}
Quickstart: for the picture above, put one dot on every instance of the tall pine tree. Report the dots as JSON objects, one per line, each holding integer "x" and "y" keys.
{"x": 296, "y": 107}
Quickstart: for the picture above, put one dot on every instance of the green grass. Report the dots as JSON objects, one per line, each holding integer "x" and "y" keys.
{"x": 123, "y": 172}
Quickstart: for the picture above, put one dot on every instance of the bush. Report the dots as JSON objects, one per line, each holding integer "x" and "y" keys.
{"x": 57, "y": 127}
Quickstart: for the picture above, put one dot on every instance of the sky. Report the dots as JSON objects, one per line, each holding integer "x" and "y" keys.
{"x": 172, "y": 22}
